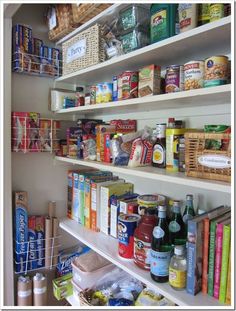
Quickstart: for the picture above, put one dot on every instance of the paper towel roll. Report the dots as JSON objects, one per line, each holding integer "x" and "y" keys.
{"x": 52, "y": 209}
{"x": 24, "y": 291}
{"x": 40, "y": 290}
{"x": 55, "y": 224}
{"x": 48, "y": 241}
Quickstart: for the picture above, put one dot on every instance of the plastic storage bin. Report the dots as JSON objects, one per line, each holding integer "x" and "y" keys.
{"x": 134, "y": 40}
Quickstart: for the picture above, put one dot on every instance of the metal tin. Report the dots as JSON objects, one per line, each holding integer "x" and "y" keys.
{"x": 149, "y": 200}
{"x": 194, "y": 75}
{"x": 106, "y": 92}
{"x": 174, "y": 80}
{"x": 99, "y": 93}
{"x": 127, "y": 223}
{"x": 216, "y": 70}
{"x": 93, "y": 95}
{"x": 115, "y": 88}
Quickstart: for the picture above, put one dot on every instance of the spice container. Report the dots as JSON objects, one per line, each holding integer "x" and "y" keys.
{"x": 193, "y": 75}
{"x": 187, "y": 16}
{"x": 216, "y": 71}
{"x": 80, "y": 96}
{"x": 93, "y": 95}
{"x": 174, "y": 80}
{"x": 216, "y": 11}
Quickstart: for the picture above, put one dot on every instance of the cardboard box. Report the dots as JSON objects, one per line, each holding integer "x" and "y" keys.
{"x": 62, "y": 286}
{"x": 100, "y": 131}
{"x": 40, "y": 240}
{"x": 149, "y": 81}
{"x": 32, "y": 263}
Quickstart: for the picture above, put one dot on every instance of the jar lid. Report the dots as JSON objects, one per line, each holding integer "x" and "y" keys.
{"x": 189, "y": 197}
{"x": 179, "y": 250}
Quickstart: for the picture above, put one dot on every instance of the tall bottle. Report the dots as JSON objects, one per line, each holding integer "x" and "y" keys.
{"x": 159, "y": 148}
{"x": 189, "y": 212}
{"x": 160, "y": 248}
{"x": 176, "y": 225}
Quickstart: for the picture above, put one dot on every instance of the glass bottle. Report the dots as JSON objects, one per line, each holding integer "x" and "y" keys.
{"x": 159, "y": 148}
{"x": 176, "y": 225}
{"x": 171, "y": 123}
{"x": 160, "y": 248}
{"x": 189, "y": 212}
{"x": 178, "y": 269}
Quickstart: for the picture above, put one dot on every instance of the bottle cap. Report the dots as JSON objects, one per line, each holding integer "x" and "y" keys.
{"x": 176, "y": 203}
{"x": 161, "y": 208}
{"x": 179, "y": 250}
{"x": 189, "y": 197}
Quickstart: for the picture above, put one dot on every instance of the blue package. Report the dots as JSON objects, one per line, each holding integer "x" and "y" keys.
{"x": 69, "y": 102}
{"x": 32, "y": 262}
{"x": 120, "y": 302}
{"x": 114, "y": 88}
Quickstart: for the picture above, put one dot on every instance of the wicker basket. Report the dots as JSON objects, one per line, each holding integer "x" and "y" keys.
{"x": 65, "y": 22}
{"x": 84, "y": 12}
{"x": 85, "y": 297}
{"x": 91, "y": 43}
{"x": 204, "y": 163}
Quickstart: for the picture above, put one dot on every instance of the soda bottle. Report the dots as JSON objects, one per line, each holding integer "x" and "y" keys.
{"x": 178, "y": 269}
{"x": 189, "y": 212}
{"x": 176, "y": 225}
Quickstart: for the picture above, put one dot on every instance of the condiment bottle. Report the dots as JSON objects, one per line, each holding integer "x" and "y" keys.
{"x": 160, "y": 248}
{"x": 143, "y": 238}
{"x": 189, "y": 212}
{"x": 178, "y": 269}
{"x": 176, "y": 225}
{"x": 159, "y": 148}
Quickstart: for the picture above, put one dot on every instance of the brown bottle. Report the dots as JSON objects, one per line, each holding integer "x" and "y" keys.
{"x": 159, "y": 148}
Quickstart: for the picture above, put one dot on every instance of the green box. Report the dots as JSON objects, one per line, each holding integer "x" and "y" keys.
{"x": 62, "y": 286}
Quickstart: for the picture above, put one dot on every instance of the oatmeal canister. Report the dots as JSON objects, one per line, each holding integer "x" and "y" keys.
{"x": 193, "y": 75}
{"x": 174, "y": 80}
{"x": 216, "y": 71}
{"x": 129, "y": 84}
{"x": 127, "y": 223}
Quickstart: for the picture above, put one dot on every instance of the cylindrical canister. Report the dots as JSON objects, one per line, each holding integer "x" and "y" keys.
{"x": 149, "y": 200}
{"x": 187, "y": 16}
{"x": 115, "y": 88}
{"x": 216, "y": 70}
{"x": 174, "y": 80}
{"x": 48, "y": 242}
{"x": 52, "y": 209}
{"x": 216, "y": 11}
{"x": 24, "y": 291}
{"x": 127, "y": 223}
{"x": 193, "y": 75}
{"x": 93, "y": 95}
{"x": 40, "y": 290}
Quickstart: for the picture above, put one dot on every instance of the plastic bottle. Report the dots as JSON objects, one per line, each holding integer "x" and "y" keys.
{"x": 143, "y": 238}
{"x": 178, "y": 269}
{"x": 159, "y": 148}
{"x": 176, "y": 225}
{"x": 160, "y": 249}
{"x": 189, "y": 212}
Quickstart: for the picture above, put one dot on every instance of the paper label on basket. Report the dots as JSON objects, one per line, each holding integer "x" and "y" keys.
{"x": 75, "y": 51}
{"x": 215, "y": 161}
{"x": 53, "y": 19}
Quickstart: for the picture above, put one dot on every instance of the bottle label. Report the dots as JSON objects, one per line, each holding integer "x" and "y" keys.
{"x": 158, "y": 154}
{"x": 174, "y": 226}
{"x": 159, "y": 25}
{"x": 187, "y": 217}
{"x": 160, "y": 263}
{"x": 158, "y": 232}
{"x": 177, "y": 278}
{"x": 142, "y": 253}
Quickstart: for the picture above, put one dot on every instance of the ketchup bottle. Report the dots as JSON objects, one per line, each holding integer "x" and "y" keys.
{"x": 143, "y": 238}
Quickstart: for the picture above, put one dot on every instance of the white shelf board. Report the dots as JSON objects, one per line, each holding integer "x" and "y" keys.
{"x": 107, "y": 247}
{"x": 205, "y": 96}
{"x": 199, "y": 43}
{"x": 154, "y": 173}
{"x": 73, "y": 301}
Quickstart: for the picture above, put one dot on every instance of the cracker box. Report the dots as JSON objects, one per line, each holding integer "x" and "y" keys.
{"x": 149, "y": 81}
{"x": 40, "y": 240}
{"x": 21, "y": 229}
{"x": 124, "y": 126}
{"x": 33, "y": 124}
{"x": 32, "y": 263}
{"x": 100, "y": 131}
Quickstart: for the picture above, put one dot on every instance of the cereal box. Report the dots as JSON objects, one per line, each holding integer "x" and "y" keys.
{"x": 149, "y": 81}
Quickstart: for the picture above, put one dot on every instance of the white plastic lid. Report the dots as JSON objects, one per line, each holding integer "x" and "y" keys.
{"x": 179, "y": 250}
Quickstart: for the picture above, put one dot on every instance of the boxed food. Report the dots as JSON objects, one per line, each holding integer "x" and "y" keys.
{"x": 40, "y": 240}
{"x": 48, "y": 134}
{"x": 32, "y": 262}
{"x": 62, "y": 286}
{"x": 129, "y": 84}
{"x": 72, "y": 135}
{"x": 100, "y": 131}
{"x": 124, "y": 126}
{"x": 149, "y": 81}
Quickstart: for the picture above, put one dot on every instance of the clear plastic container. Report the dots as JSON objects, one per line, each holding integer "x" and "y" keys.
{"x": 134, "y": 40}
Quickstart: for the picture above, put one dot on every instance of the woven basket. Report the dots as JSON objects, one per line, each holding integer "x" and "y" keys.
{"x": 84, "y": 12}
{"x": 65, "y": 22}
{"x": 94, "y": 54}
{"x": 85, "y": 297}
{"x": 197, "y": 157}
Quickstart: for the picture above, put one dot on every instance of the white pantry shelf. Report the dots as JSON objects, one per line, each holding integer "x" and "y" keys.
{"x": 153, "y": 173}
{"x": 193, "y": 98}
{"x": 107, "y": 247}
{"x": 197, "y": 43}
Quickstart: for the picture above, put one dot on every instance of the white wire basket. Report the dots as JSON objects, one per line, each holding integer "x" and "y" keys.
{"x": 36, "y": 65}
{"x": 30, "y": 133}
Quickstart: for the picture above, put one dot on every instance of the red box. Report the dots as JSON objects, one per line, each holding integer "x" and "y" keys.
{"x": 107, "y": 153}
{"x": 124, "y": 126}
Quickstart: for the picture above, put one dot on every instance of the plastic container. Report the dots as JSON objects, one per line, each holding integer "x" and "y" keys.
{"x": 88, "y": 279}
{"x": 134, "y": 40}
{"x": 163, "y": 21}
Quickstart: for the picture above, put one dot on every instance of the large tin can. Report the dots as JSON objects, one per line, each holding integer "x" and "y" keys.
{"x": 174, "y": 80}
{"x": 194, "y": 75}
{"x": 216, "y": 70}
{"x": 93, "y": 95}
{"x": 129, "y": 84}
{"x": 216, "y": 11}
{"x": 127, "y": 223}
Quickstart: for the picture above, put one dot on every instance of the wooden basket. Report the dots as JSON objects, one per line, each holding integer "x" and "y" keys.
{"x": 84, "y": 12}
{"x": 83, "y": 50}
{"x": 204, "y": 163}
{"x": 85, "y": 297}
{"x": 65, "y": 22}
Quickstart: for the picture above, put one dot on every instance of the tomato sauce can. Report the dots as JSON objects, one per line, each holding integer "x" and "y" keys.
{"x": 127, "y": 223}
{"x": 129, "y": 84}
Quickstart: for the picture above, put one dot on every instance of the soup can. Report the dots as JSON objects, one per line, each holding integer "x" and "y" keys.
{"x": 107, "y": 92}
{"x": 93, "y": 95}
{"x": 216, "y": 11}
{"x": 149, "y": 200}
{"x": 127, "y": 223}
{"x": 194, "y": 75}
{"x": 174, "y": 80}
{"x": 99, "y": 93}
{"x": 216, "y": 70}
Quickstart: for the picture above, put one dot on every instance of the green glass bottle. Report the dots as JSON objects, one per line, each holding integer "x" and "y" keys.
{"x": 176, "y": 225}
{"x": 160, "y": 249}
{"x": 189, "y": 212}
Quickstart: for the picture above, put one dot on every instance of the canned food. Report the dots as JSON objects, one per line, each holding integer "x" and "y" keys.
{"x": 149, "y": 200}
{"x": 216, "y": 11}
{"x": 129, "y": 84}
{"x": 193, "y": 75}
{"x": 187, "y": 16}
{"x": 119, "y": 85}
{"x": 99, "y": 93}
{"x": 216, "y": 71}
{"x": 174, "y": 81}
{"x": 106, "y": 92}
{"x": 93, "y": 95}
{"x": 115, "y": 88}
{"x": 127, "y": 223}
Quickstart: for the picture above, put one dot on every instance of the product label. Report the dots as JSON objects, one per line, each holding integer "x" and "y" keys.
{"x": 174, "y": 226}
{"x": 215, "y": 161}
{"x": 177, "y": 278}
{"x": 159, "y": 25}
{"x": 142, "y": 253}
{"x": 75, "y": 51}
{"x": 160, "y": 263}
{"x": 158, "y": 232}
{"x": 158, "y": 154}
{"x": 216, "y": 11}
{"x": 193, "y": 75}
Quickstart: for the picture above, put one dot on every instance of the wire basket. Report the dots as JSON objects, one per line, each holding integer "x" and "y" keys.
{"x": 86, "y": 11}
{"x": 83, "y": 50}
{"x": 206, "y": 163}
